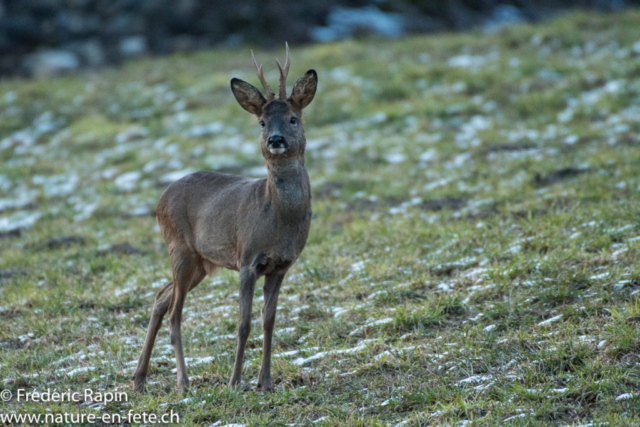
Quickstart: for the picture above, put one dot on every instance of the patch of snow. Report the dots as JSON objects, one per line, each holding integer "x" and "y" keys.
{"x": 18, "y": 221}
{"x": 626, "y": 396}
{"x": 467, "y": 61}
{"x": 85, "y": 211}
{"x": 287, "y": 353}
{"x": 171, "y": 177}
{"x": 304, "y": 360}
{"x": 132, "y": 134}
{"x": 429, "y": 155}
{"x": 56, "y": 185}
{"x": 358, "y": 266}
{"x": 621, "y": 284}
{"x": 571, "y": 139}
{"x": 551, "y": 320}
{"x": 205, "y": 130}
{"x": 127, "y": 181}
{"x": 76, "y": 371}
{"x": 515, "y": 417}
{"x": 374, "y": 323}
{"x": 21, "y": 202}
{"x": 379, "y": 117}
{"x": 435, "y": 184}
{"x": 474, "y": 379}
{"x": 376, "y": 294}
{"x": 444, "y": 287}
{"x": 395, "y": 158}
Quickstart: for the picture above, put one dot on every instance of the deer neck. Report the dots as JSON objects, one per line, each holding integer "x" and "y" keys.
{"x": 288, "y": 190}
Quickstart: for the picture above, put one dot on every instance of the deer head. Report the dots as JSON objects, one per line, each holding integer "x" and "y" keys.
{"x": 281, "y": 119}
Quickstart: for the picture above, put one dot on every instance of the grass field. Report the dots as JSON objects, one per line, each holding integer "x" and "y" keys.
{"x": 472, "y": 257}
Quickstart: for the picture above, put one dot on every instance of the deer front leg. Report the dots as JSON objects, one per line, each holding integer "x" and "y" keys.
{"x": 160, "y": 307}
{"x": 271, "y": 290}
{"x": 248, "y": 279}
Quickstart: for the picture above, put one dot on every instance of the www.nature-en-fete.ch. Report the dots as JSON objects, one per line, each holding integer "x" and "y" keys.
{"x": 87, "y": 395}
{"x": 79, "y": 418}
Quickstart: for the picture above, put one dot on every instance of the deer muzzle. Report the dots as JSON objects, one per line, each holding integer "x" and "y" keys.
{"x": 277, "y": 144}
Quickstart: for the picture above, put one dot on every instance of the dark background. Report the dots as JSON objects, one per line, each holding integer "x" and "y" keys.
{"x": 49, "y": 37}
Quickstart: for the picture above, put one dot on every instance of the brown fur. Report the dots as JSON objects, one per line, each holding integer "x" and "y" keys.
{"x": 257, "y": 227}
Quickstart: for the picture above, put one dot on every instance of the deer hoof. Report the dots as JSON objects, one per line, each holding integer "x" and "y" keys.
{"x": 234, "y": 382}
{"x": 265, "y": 386}
{"x": 140, "y": 385}
{"x": 183, "y": 387}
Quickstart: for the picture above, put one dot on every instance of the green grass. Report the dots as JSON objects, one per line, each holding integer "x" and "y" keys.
{"x": 472, "y": 257}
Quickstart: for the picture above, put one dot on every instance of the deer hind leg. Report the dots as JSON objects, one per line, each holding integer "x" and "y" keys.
{"x": 187, "y": 273}
{"x": 248, "y": 279}
{"x": 160, "y": 307}
{"x": 271, "y": 289}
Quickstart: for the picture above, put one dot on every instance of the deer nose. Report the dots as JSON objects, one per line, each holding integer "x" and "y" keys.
{"x": 277, "y": 144}
{"x": 277, "y": 141}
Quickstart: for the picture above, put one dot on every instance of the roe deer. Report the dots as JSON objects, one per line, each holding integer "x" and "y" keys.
{"x": 255, "y": 226}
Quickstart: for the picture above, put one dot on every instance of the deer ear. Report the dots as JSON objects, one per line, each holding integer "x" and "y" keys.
{"x": 305, "y": 89}
{"x": 248, "y": 96}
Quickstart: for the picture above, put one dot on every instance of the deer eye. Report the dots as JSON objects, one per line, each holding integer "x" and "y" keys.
{"x": 262, "y": 123}
{"x": 293, "y": 120}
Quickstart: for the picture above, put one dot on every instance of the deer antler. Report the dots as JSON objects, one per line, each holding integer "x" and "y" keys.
{"x": 267, "y": 91}
{"x": 283, "y": 74}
